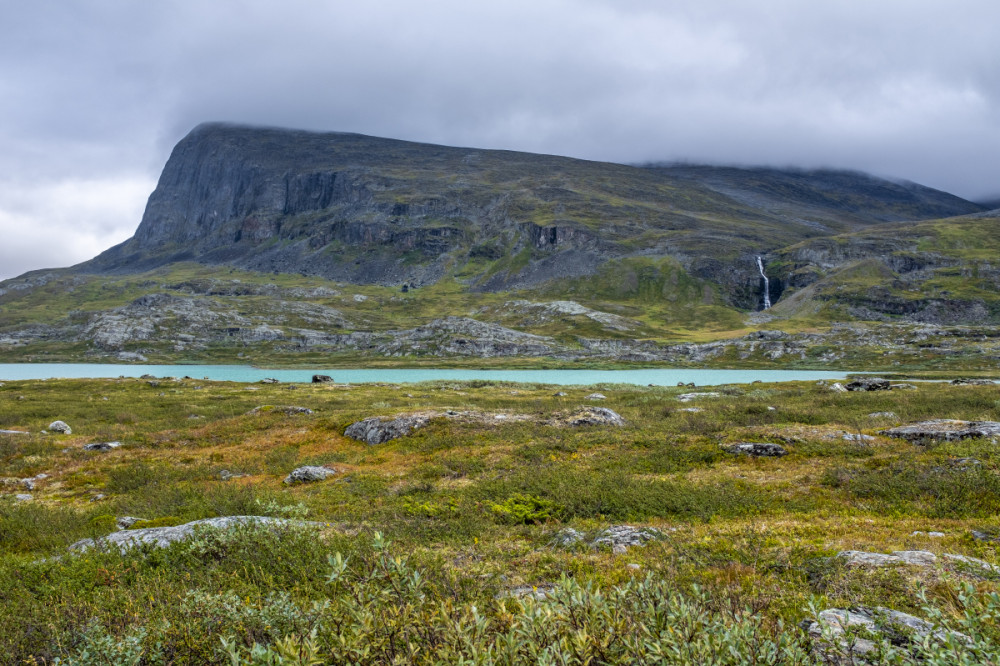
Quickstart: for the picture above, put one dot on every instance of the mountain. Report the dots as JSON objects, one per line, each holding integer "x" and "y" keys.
{"x": 301, "y": 247}
{"x": 367, "y": 210}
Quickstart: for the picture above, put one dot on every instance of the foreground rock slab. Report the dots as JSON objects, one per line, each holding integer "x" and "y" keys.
{"x": 838, "y": 625}
{"x": 943, "y": 430}
{"x": 164, "y": 536}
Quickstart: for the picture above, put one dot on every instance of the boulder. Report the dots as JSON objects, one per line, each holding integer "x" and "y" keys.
{"x": 269, "y": 380}
{"x": 757, "y": 449}
{"x": 589, "y": 416}
{"x": 557, "y": 394}
{"x": 567, "y": 537}
{"x": 321, "y": 379}
{"x": 60, "y": 427}
{"x": 380, "y": 429}
{"x": 288, "y": 410}
{"x": 309, "y": 474}
{"x": 943, "y": 430}
{"x": 160, "y": 537}
{"x": 837, "y": 387}
{"x": 868, "y": 384}
{"x": 101, "y": 446}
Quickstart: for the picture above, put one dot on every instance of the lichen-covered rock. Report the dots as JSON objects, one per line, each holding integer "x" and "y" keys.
{"x": 101, "y": 446}
{"x": 567, "y": 537}
{"x": 868, "y": 384}
{"x": 943, "y": 430}
{"x": 61, "y": 427}
{"x": 622, "y": 537}
{"x": 309, "y": 474}
{"x": 590, "y": 416}
{"x": 164, "y": 536}
{"x": 840, "y": 627}
{"x": 288, "y": 410}
{"x": 381, "y": 429}
{"x": 757, "y": 449}
{"x": 916, "y": 558}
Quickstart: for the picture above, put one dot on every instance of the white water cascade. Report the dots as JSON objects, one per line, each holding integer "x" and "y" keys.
{"x": 767, "y": 284}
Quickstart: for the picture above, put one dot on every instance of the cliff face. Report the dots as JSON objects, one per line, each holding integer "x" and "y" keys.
{"x": 379, "y": 211}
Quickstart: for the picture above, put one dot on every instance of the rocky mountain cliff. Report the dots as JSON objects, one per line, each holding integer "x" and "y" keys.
{"x": 367, "y": 210}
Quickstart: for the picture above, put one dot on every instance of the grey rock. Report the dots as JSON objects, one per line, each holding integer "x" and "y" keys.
{"x": 757, "y": 449}
{"x": 102, "y": 446}
{"x": 868, "y": 384}
{"x": 321, "y": 379}
{"x": 596, "y": 396}
{"x": 973, "y": 382}
{"x": 567, "y": 537}
{"x": 98, "y": 497}
{"x": 858, "y": 437}
{"x": 943, "y": 430}
{"x": 837, "y": 387}
{"x": 226, "y": 475}
{"x": 22, "y": 497}
{"x": 904, "y": 387}
{"x": 60, "y": 427}
{"x": 621, "y": 537}
{"x": 589, "y": 416}
{"x": 164, "y": 536}
{"x": 841, "y": 626}
{"x": 381, "y": 429}
{"x": 28, "y": 484}
{"x": 269, "y": 380}
{"x": 988, "y": 537}
{"x": 125, "y": 522}
{"x": 309, "y": 474}
{"x": 883, "y": 415}
{"x": 14, "y": 432}
{"x": 918, "y": 533}
{"x": 288, "y": 410}
{"x": 688, "y": 397}
{"x": 917, "y": 558}
{"x": 557, "y": 394}
{"x": 536, "y": 592}
{"x": 692, "y": 410}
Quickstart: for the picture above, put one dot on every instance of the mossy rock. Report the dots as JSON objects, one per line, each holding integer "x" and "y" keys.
{"x": 166, "y": 521}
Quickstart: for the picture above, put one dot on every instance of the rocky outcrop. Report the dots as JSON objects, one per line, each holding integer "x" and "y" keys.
{"x": 160, "y": 537}
{"x": 916, "y": 558}
{"x": 845, "y": 636}
{"x": 381, "y": 429}
{"x": 943, "y": 430}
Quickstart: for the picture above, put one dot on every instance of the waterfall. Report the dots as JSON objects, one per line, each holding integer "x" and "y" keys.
{"x": 767, "y": 284}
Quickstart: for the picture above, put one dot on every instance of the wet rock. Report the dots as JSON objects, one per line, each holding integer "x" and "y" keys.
{"x": 596, "y": 396}
{"x": 288, "y": 410}
{"x": 321, "y": 379}
{"x": 309, "y": 474}
{"x": 102, "y": 446}
{"x": 622, "y": 537}
{"x": 943, "y": 430}
{"x": 60, "y": 427}
{"x": 757, "y": 449}
{"x": 688, "y": 397}
{"x": 590, "y": 416}
{"x": 380, "y": 429}
{"x": 841, "y": 626}
{"x": 160, "y": 537}
{"x": 868, "y": 384}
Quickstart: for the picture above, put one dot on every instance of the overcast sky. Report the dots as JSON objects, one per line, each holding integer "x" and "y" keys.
{"x": 95, "y": 93}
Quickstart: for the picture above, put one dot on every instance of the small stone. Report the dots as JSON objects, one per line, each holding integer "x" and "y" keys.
{"x": 309, "y": 474}
{"x": 269, "y": 380}
{"x": 98, "y": 497}
{"x": 633, "y": 566}
{"x": 928, "y": 534}
{"x": 288, "y": 410}
{"x": 596, "y": 396}
{"x": 757, "y": 449}
{"x": 943, "y": 430}
{"x": 559, "y": 394}
{"x": 688, "y": 397}
{"x": 837, "y": 387}
{"x": 102, "y": 446}
{"x": 858, "y": 437}
{"x": 22, "y": 497}
{"x": 590, "y": 416}
{"x": 882, "y": 415}
{"x": 567, "y": 537}
{"x": 125, "y": 522}
{"x": 693, "y": 410}
{"x": 60, "y": 427}
{"x": 28, "y": 484}
{"x": 226, "y": 475}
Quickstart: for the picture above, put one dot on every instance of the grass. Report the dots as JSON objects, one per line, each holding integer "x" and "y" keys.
{"x": 475, "y": 504}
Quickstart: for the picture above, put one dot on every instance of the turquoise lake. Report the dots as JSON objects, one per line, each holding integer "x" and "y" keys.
{"x": 242, "y": 373}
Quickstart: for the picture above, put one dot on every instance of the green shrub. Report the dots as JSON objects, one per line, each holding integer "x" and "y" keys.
{"x": 523, "y": 509}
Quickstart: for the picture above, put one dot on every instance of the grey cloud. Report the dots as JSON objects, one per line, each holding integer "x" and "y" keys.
{"x": 100, "y": 91}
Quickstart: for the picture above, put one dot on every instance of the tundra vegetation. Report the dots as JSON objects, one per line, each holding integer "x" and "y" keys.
{"x": 477, "y": 537}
